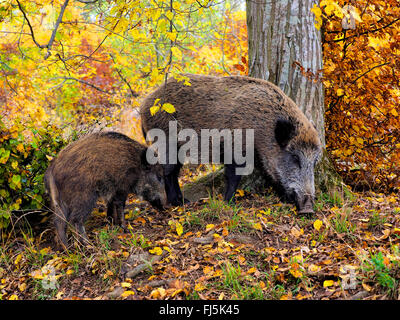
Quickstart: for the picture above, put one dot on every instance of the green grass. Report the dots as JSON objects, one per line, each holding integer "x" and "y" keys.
{"x": 235, "y": 282}
{"x": 380, "y": 270}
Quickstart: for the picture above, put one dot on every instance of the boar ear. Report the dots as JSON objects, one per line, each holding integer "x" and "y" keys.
{"x": 143, "y": 159}
{"x": 284, "y": 131}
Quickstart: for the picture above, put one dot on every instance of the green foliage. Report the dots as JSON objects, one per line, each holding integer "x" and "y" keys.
{"x": 25, "y": 152}
{"x": 382, "y": 270}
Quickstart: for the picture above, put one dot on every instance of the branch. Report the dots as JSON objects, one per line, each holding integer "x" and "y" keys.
{"x": 30, "y": 26}
{"x": 84, "y": 82}
{"x": 367, "y": 32}
{"x": 369, "y": 70}
{"x": 133, "y": 93}
{"x": 53, "y": 34}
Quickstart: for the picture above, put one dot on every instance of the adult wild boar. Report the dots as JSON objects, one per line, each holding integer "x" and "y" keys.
{"x": 286, "y": 144}
{"x": 106, "y": 165}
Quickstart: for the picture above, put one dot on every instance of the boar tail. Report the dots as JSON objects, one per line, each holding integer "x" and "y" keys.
{"x": 60, "y": 213}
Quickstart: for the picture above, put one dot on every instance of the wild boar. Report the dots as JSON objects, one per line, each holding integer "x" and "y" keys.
{"x": 106, "y": 165}
{"x": 286, "y": 143}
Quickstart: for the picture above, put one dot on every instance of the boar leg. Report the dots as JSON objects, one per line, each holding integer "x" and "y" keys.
{"x": 115, "y": 209}
{"x": 231, "y": 181}
{"x": 174, "y": 194}
{"x": 82, "y": 236}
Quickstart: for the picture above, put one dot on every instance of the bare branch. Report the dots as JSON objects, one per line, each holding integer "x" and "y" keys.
{"x": 30, "y": 26}
{"x": 83, "y": 82}
{"x": 133, "y": 93}
{"x": 53, "y": 34}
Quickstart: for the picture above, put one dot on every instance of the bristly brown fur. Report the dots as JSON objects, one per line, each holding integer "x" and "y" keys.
{"x": 231, "y": 103}
{"x": 105, "y": 165}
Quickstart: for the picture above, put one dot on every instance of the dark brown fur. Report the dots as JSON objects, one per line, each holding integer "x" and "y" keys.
{"x": 237, "y": 102}
{"x": 105, "y": 165}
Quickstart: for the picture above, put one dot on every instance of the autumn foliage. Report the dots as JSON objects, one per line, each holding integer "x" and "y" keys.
{"x": 362, "y": 90}
{"x": 69, "y": 66}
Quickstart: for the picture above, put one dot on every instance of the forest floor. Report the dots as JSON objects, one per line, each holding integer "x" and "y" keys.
{"x": 257, "y": 248}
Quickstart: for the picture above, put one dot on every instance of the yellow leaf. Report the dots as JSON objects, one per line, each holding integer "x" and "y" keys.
{"x": 207, "y": 269}
{"x": 296, "y": 273}
{"x": 257, "y": 226}
{"x": 251, "y": 270}
{"x": 171, "y": 36}
{"x": 13, "y": 297}
{"x": 14, "y": 164}
{"x": 22, "y": 287}
{"x": 127, "y": 293}
{"x": 209, "y": 227}
{"x": 167, "y": 107}
{"x": 240, "y": 193}
{"x": 169, "y": 15}
{"x": 328, "y": 283}
{"x": 126, "y": 285}
{"x": 317, "y": 224}
{"x": 199, "y": 286}
{"x": 157, "y": 250}
{"x": 339, "y": 92}
{"x": 18, "y": 259}
{"x": 179, "y": 229}
{"x": 158, "y": 293}
{"x": 69, "y": 272}
{"x": 108, "y": 274}
{"x": 177, "y": 53}
{"x": 21, "y": 148}
{"x": 154, "y": 110}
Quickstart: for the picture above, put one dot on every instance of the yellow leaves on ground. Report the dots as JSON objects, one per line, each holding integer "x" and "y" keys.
{"x": 328, "y": 283}
{"x": 317, "y": 224}
{"x": 156, "y": 250}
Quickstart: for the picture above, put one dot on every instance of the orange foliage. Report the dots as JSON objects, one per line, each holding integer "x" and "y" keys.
{"x": 362, "y": 92}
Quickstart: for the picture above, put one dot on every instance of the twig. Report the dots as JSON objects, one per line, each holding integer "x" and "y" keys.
{"x": 30, "y": 26}
{"x": 84, "y": 82}
{"x": 53, "y": 34}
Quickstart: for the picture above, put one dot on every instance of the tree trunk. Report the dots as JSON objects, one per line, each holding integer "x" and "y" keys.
{"x": 285, "y": 49}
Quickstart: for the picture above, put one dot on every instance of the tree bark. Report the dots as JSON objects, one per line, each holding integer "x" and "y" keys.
{"x": 285, "y": 48}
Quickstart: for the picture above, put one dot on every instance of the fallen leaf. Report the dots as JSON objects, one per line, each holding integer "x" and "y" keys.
{"x": 328, "y": 283}
{"x": 156, "y": 250}
{"x": 296, "y": 232}
{"x": 127, "y": 293}
{"x": 317, "y": 224}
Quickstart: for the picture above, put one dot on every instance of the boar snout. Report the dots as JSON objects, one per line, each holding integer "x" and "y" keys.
{"x": 305, "y": 205}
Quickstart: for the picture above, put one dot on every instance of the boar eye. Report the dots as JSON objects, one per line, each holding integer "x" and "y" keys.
{"x": 296, "y": 160}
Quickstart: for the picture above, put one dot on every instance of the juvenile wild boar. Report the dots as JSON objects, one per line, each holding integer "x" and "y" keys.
{"x": 106, "y": 165}
{"x": 286, "y": 144}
